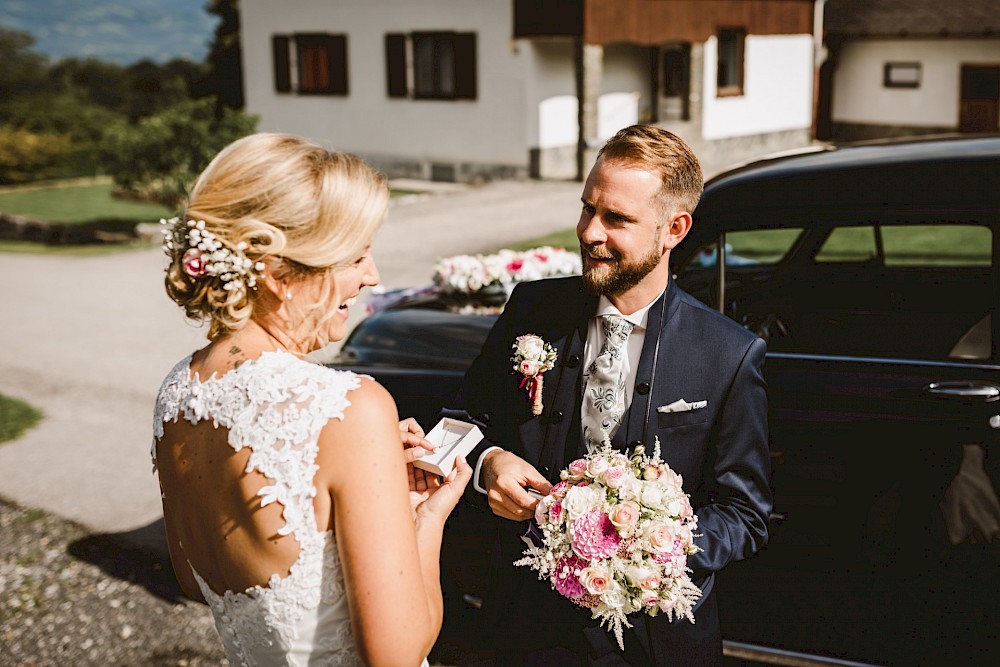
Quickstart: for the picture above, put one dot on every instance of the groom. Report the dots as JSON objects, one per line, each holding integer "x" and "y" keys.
{"x": 638, "y": 359}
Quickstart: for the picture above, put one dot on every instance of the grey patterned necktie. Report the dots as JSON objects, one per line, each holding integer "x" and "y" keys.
{"x": 604, "y": 394}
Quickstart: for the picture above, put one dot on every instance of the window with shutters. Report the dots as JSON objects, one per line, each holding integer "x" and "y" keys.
{"x": 310, "y": 63}
{"x": 431, "y": 65}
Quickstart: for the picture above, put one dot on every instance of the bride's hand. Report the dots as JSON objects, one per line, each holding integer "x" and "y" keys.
{"x": 434, "y": 497}
{"x": 414, "y": 443}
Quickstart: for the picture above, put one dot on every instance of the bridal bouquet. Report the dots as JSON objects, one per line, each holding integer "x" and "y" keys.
{"x": 614, "y": 536}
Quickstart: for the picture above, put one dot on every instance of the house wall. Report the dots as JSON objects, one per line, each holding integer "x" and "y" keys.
{"x": 862, "y": 107}
{"x": 773, "y": 114}
{"x": 403, "y": 136}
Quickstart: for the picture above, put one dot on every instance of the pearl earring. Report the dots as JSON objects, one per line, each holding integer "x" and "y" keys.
{"x": 288, "y": 296}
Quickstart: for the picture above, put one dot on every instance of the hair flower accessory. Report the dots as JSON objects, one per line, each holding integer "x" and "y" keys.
{"x": 614, "y": 541}
{"x": 206, "y": 255}
{"x": 532, "y": 357}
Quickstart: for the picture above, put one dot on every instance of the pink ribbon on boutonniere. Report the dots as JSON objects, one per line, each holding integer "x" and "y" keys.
{"x": 532, "y": 357}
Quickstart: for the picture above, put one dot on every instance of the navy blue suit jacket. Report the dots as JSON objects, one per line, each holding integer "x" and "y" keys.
{"x": 690, "y": 352}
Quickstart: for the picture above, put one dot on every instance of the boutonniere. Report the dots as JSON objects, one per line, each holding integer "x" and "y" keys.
{"x": 532, "y": 357}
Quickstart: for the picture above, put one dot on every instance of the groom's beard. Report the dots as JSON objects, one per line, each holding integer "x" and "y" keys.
{"x": 620, "y": 275}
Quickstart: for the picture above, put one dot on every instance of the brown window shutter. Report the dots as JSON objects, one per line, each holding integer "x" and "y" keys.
{"x": 337, "y": 54}
{"x": 395, "y": 64}
{"x": 465, "y": 66}
{"x": 282, "y": 72}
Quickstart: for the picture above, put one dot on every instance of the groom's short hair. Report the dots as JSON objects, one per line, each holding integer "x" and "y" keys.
{"x": 663, "y": 151}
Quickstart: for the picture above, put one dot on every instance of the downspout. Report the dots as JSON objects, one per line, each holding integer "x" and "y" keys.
{"x": 820, "y": 54}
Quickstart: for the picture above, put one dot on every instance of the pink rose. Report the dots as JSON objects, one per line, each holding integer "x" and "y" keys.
{"x": 624, "y": 516}
{"x": 577, "y": 469}
{"x": 614, "y": 477}
{"x": 529, "y": 368}
{"x": 595, "y": 579}
{"x": 555, "y": 512}
{"x": 193, "y": 263}
{"x": 560, "y": 489}
{"x": 650, "y": 598}
{"x": 597, "y": 466}
{"x": 541, "y": 511}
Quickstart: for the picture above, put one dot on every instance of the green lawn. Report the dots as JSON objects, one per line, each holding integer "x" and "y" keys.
{"x": 16, "y": 417}
{"x": 77, "y": 203}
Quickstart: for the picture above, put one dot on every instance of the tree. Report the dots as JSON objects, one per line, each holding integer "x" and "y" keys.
{"x": 158, "y": 157}
{"x": 23, "y": 70}
{"x": 225, "y": 62}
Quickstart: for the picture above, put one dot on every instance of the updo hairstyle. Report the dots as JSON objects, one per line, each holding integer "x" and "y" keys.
{"x": 309, "y": 209}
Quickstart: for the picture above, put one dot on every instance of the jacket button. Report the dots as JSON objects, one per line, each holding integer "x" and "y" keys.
{"x": 556, "y": 416}
{"x": 545, "y": 471}
{"x": 484, "y": 418}
{"x": 642, "y": 388}
{"x": 573, "y": 361}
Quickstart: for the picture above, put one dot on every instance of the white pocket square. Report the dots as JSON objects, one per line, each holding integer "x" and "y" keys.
{"x": 682, "y": 406}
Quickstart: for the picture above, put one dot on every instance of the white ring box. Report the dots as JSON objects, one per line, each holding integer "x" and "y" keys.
{"x": 451, "y": 438}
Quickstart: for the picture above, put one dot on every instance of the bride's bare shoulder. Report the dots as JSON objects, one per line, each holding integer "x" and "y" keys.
{"x": 369, "y": 420}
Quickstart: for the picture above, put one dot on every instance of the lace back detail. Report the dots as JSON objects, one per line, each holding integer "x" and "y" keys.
{"x": 275, "y": 405}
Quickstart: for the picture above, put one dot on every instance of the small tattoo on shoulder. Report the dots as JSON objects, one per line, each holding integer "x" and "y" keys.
{"x": 235, "y": 349}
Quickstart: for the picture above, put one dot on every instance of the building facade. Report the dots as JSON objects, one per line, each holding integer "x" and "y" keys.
{"x": 465, "y": 90}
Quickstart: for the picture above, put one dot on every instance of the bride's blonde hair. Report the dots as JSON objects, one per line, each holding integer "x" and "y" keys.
{"x": 305, "y": 209}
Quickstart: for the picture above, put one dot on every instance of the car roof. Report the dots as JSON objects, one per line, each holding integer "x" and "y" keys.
{"x": 925, "y": 174}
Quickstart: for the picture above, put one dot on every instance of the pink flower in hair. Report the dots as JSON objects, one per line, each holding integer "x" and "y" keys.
{"x": 194, "y": 264}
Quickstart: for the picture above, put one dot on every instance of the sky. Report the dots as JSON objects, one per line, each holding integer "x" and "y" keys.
{"x": 120, "y": 31}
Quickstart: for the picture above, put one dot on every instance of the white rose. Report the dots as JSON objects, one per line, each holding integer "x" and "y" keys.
{"x": 530, "y": 346}
{"x": 615, "y": 596}
{"x": 652, "y": 494}
{"x": 581, "y": 499}
{"x": 639, "y": 575}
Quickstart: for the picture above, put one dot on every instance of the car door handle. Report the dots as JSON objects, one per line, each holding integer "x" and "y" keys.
{"x": 964, "y": 390}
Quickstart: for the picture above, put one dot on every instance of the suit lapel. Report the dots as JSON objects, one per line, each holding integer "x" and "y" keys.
{"x": 544, "y": 436}
{"x": 655, "y": 349}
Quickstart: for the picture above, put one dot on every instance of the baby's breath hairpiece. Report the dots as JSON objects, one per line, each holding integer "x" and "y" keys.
{"x": 207, "y": 256}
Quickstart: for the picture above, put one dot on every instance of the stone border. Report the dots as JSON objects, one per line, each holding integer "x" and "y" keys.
{"x": 22, "y": 228}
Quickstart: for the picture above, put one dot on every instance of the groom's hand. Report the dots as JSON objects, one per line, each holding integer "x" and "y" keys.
{"x": 505, "y": 476}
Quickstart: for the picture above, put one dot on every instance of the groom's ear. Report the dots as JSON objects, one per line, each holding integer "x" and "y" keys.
{"x": 675, "y": 229}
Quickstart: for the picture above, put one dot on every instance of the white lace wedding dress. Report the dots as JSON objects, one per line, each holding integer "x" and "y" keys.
{"x": 276, "y": 405}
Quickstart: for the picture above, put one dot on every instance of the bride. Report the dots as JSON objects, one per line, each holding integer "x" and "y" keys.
{"x": 288, "y": 501}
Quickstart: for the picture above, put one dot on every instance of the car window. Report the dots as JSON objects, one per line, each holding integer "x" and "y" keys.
{"x": 762, "y": 247}
{"x": 937, "y": 245}
{"x": 927, "y": 283}
{"x": 849, "y": 244}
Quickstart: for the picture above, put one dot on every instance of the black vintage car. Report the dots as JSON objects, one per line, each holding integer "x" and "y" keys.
{"x": 872, "y": 272}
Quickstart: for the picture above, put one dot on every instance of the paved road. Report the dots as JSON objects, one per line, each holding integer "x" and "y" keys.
{"x": 88, "y": 340}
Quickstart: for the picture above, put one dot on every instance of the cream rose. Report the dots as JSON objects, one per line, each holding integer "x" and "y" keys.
{"x": 596, "y": 579}
{"x": 661, "y": 536}
{"x": 624, "y": 516}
